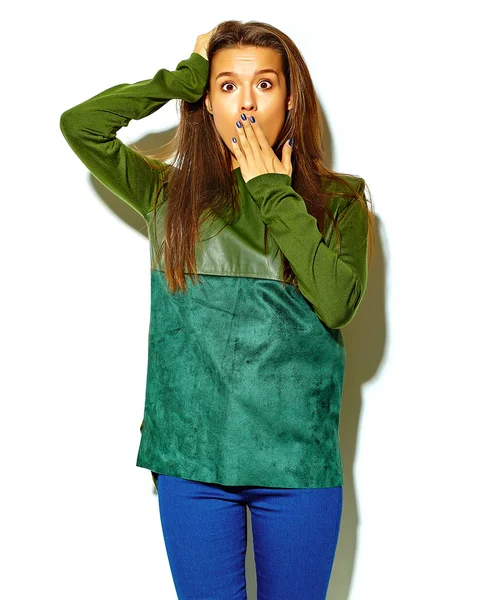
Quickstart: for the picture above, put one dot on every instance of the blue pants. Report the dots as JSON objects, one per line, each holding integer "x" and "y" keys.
{"x": 295, "y": 533}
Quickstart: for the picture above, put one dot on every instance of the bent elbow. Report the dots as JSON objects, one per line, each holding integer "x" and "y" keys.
{"x": 67, "y": 123}
{"x": 343, "y": 311}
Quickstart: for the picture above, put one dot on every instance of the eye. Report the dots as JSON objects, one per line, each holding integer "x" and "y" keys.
{"x": 230, "y": 83}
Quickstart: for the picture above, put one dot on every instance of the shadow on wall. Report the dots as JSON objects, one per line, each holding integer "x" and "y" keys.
{"x": 365, "y": 339}
{"x": 365, "y": 343}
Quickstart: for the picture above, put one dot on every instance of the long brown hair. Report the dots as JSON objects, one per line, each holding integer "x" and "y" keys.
{"x": 203, "y": 181}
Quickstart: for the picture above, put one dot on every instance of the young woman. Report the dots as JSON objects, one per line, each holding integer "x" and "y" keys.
{"x": 245, "y": 355}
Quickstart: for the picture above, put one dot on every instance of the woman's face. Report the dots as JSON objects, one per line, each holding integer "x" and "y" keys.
{"x": 262, "y": 95}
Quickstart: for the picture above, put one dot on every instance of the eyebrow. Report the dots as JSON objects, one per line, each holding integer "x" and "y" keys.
{"x": 233, "y": 74}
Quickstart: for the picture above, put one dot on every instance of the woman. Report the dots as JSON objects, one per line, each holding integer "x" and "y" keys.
{"x": 245, "y": 356}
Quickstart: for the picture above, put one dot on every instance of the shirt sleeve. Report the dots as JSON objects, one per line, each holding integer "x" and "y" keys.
{"x": 90, "y": 128}
{"x": 334, "y": 285}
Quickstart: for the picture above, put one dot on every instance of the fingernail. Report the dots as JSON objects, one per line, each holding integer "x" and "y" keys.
{"x": 239, "y": 124}
{"x": 243, "y": 117}
{"x": 291, "y": 142}
{"x": 252, "y": 119}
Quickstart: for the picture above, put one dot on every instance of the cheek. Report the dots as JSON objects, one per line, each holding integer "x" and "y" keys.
{"x": 271, "y": 126}
{"x": 275, "y": 127}
{"x": 224, "y": 131}
{"x": 223, "y": 128}
{"x": 225, "y": 124}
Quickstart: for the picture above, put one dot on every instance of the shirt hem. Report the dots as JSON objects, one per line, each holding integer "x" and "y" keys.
{"x": 326, "y": 481}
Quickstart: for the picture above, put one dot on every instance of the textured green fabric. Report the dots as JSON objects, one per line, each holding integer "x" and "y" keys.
{"x": 245, "y": 376}
{"x": 243, "y": 385}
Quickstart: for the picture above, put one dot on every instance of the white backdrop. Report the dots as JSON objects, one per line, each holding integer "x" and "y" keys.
{"x": 401, "y": 90}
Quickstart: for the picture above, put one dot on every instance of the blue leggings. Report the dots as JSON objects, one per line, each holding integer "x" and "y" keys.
{"x": 295, "y": 533}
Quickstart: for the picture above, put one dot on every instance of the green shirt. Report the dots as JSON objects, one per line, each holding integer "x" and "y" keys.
{"x": 245, "y": 376}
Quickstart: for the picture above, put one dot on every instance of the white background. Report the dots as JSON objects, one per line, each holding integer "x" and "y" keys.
{"x": 401, "y": 90}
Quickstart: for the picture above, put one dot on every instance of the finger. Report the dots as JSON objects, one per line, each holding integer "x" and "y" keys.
{"x": 262, "y": 160}
{"x": 237, "y": 152}
{"x": 260, "y": 137}
{"x": 287, "y": 150}
{"x": 251, "y": 135}
{"x": 245, "y": 145}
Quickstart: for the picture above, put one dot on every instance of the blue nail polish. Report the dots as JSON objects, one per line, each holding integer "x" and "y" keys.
{"x": 252, "y": 119}
{"x": 234, "y": 140}
{"x": 243, "y": 117}
{"x": 239, "y": 124}
{"x": 291, "y": 142}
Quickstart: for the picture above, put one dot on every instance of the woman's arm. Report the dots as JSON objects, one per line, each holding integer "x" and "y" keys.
{"x": 334, "y": 285}
{"x": 90, "y": 128}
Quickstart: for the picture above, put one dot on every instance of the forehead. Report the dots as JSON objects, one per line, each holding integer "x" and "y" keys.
{"x": 245, "y": 61}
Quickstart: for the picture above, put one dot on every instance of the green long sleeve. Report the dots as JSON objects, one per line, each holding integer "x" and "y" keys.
{"x": 334, "y": 285}
{"x": 90, "y": 128}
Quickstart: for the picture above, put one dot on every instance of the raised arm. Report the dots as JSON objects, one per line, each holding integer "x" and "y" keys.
{"x": 334, "y": 285}
{"x": 90, "y": 128}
